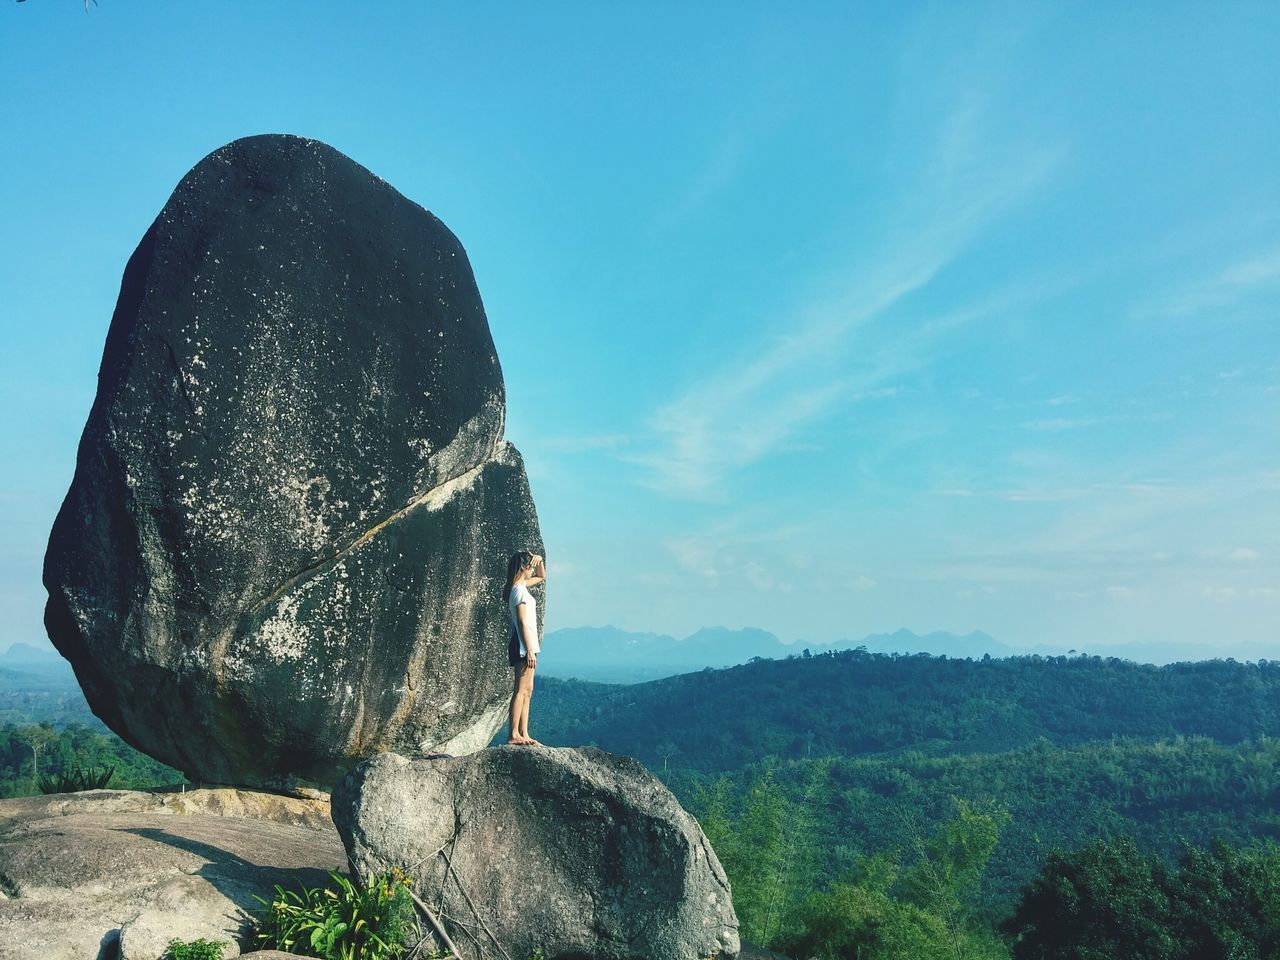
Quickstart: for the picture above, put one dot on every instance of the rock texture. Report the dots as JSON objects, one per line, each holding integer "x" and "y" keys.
{"x": 284, "y": 544}
{"x": 578, "y": 853}
{"x": 116, "y": 873}
{"x": 312, "y": 813}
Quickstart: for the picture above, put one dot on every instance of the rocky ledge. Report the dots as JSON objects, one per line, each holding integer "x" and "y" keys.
{"x": 117, "y": 873}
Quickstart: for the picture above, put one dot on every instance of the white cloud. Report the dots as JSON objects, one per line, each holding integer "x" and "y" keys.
{"x": 753, "y": 406}
{"x": 716, "y": 173}
{"x": 603, "y": 441}
{"x": 1043, "y": 495}
{"x": 1224, "y": 288}
{"x": 1062, "y": 423}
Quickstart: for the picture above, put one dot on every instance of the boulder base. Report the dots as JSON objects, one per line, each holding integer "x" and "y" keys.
{"x": 576, "y": 852}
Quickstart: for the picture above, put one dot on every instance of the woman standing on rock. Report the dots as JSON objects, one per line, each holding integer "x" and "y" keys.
{"x": 523, "y": 571}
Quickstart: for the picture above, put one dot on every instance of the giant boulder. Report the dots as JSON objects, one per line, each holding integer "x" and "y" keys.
{"x": 285, "y": 541}
{"x": 577, "y": 853}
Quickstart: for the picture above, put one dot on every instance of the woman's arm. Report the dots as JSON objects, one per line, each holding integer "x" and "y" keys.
{"x": 539, "y": 573}
{"x": 529, "y": 632}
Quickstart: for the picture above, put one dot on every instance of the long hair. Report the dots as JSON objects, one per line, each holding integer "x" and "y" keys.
{"x": 519, "y": 561}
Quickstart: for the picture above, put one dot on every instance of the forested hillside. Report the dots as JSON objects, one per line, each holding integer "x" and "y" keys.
{"x": 901, "y": 805}
{"x": 854, "y": 703}
{"x": 838, "y": 784}
{"x": 32, "y": 752}
{"x": 1160, "y": 793}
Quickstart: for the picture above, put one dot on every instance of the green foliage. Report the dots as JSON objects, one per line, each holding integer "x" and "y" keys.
{"x": 77, "y": 780}
{"x": 913, "y": 901}
{"x": 1108, "y": 899}
{"x": 195, "y": 950}
{"x": 944, "y": 877}
{"x": 764, "y": 841}
{"x": 345, "y": 921}
{"x": 1190, "y": 788}
{"x": 916, "y": 902}
{"x": 853, "y": 703}
{"x": 57, "y": 753}
{"x": 851, "y": 920}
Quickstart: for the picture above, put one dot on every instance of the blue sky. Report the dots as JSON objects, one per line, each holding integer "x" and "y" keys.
{"x": 825, "y": 321}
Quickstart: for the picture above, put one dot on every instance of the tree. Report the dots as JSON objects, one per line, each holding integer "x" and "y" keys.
{"x": 666, "y": 750}
{"x": 881, "y": 910}
{"x": 37, "y": 738}
{"x": 1106, "y": 899}
{"x": 1103, "y": 901}
{"x": 944, "y": 878}
{"x": 1225, "y": 901}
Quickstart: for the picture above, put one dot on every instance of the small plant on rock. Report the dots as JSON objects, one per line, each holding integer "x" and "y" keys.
{"x": 195, "y": 950}
{"x": 89, "y": 778}
{"x": 345, "y": 921}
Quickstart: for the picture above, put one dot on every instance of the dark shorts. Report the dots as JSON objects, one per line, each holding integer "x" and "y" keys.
{"x": 514, "y": 656}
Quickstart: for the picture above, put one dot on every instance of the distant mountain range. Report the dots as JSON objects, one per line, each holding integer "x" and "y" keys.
{"x": 610, "y": 655}
{"x": 23, "y": 665}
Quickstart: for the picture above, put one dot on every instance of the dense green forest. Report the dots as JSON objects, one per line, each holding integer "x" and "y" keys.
{"x": 854, "y": 703}
{"x": 916, "y": 899}
{"x": 1161, "y": 794}
{"x": 827, "y": 780}
{"x": 879, "y": 806}
{"x": 34, "y": 698}
{"x": 30, "y": 752}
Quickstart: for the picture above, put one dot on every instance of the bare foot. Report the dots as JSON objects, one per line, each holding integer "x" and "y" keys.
{"x": 519, "y": 741}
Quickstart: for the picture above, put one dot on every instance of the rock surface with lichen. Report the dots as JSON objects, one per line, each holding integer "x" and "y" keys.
{"x": 284, "y": 543}
{"x": 119, "y": 873}
{"x": 571, "y": 852}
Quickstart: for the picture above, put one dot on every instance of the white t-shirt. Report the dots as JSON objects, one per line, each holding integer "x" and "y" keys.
{"x": 520, "y": 594}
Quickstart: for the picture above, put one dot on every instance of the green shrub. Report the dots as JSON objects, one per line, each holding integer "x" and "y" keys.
{"x": 195, "y": 950}
{"x": 89, "y": 778}
{"x": 345, "y": 921}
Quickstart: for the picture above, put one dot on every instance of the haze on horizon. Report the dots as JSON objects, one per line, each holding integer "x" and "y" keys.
{"x": 826, "y": 322}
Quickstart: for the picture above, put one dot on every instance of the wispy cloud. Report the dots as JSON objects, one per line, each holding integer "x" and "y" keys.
{"x": 1054, "y": 424}
{"x": 602, "y": 441}
{"x": 1224, "y": 288}
{"x": 834, "y": 351}
{"x": 714, "y": 176}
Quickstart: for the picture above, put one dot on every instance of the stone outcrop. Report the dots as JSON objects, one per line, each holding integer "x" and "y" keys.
{"x": 578, "y": 853}
{"x": 285, "y": 541}
{"x": 312, "y": 812}
{"x": 112, "y": 873}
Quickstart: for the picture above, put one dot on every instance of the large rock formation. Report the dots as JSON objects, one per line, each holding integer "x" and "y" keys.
{"x": 285, "y": 541}
{"x": 577, "y": 853}
{"x": 115, "y": 873}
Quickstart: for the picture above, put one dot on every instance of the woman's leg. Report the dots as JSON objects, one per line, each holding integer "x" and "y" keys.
{"x": 526, "y": 695}
{"x": 515, "y": 713}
